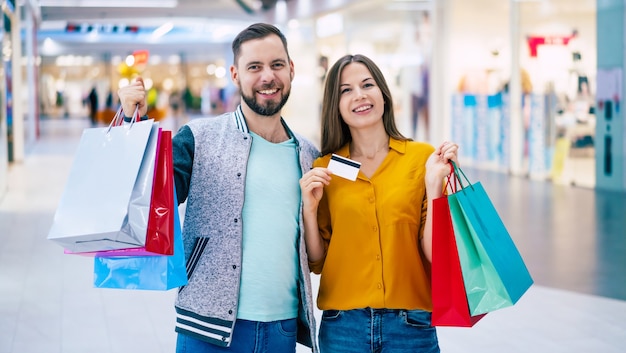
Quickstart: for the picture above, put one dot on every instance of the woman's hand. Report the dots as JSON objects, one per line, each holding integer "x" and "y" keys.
{"x": 437, "y": 168}
{"x": 312, "y": 186}
{"x": 438, "y": 164}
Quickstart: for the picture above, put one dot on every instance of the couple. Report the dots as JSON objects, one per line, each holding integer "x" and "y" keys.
{"x": 259, "y": 218}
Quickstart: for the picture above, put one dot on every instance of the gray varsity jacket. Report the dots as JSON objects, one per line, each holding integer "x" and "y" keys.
{"x": 210, "y": 158}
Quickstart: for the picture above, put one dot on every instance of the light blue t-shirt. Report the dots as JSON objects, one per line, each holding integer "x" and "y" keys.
{"x": 270, "y": 232}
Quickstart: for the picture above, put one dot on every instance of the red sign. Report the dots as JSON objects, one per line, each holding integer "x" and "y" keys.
{"x": 141, "y": 57}
{"x": 535, "y": 41}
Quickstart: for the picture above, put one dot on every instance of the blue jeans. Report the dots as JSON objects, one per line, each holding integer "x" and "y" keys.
{"x": 248, "y": 337}
{"x": 377, "y": 331}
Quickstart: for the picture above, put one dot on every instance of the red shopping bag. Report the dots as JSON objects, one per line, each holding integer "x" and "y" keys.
{"x": 450, "y": 306}
{"x": 160, "y": 233}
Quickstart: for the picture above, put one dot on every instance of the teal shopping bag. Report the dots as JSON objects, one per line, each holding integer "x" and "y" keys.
{"x": 497, "y": 276}
{"x": 484, "y": 289}
{"x": 162, "y": 272}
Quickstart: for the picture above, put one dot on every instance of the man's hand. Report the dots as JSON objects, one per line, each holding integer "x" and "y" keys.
{"x": 132, "y": 96}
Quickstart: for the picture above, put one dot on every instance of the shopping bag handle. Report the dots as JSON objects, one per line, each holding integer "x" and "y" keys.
{"x": 452, "y": 181}
{"x": 118, "y": 119}
{"x": 458, "y": 172}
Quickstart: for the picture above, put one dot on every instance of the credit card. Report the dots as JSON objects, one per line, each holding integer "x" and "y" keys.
{"x": 344, "y": 167}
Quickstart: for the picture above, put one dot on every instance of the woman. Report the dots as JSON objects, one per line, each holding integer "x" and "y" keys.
{"x": 370, "y": 239}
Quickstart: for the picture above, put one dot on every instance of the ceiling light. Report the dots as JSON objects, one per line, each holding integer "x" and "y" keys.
{"x": 162, "y": 30}
{"x": 108, "y": 3}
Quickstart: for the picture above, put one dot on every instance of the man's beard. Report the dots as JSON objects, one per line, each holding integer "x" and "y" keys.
{"x": 270, "y": 107}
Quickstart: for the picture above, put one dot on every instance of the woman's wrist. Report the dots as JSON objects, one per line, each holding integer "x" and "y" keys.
{"x": 434, "y": 187}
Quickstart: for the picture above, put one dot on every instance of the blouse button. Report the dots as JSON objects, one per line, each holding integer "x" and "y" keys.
{"x": 374, "y": 228}
{"x": 379, "y": 286}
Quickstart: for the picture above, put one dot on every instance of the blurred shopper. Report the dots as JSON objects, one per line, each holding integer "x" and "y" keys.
{"x": 92, "y": 101}
{"x": 175, "y": 102}
{"x": 370, "y": 239}
{"x": 249, "y": 284}
{"x": 109, "y": 101}
{"x": 419, "y": 100}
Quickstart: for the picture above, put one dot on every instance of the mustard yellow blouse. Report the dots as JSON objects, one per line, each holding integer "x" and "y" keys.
{"x": 372, "y": 230}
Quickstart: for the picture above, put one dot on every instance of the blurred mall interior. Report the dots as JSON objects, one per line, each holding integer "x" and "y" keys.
{"x": 530, "y": 89}
{"x": 449, "y": 63}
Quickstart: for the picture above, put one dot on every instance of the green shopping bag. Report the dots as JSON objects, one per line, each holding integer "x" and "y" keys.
{"x": 494, "y": 272}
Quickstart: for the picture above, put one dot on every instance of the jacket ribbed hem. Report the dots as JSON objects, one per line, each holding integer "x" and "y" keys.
{"x": 212, "y": 330}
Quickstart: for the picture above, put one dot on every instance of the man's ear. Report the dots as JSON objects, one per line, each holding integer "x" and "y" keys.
{"x": 234, "y": 75}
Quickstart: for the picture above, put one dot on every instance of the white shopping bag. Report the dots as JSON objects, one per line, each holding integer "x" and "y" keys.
{"x": 106, "y": 199}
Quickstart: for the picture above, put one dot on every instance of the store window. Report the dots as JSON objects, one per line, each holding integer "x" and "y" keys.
{"x": 560, "y": 54}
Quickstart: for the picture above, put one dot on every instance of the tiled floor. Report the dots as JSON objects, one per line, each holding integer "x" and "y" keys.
{"x": 573, "y": 240}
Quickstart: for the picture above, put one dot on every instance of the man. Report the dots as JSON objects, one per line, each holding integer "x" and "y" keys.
{"x": 249, "y": 286}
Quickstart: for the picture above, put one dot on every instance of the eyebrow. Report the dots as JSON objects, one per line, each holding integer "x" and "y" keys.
{"x": 365, "y": 79}
{"x": 257, "y": 62}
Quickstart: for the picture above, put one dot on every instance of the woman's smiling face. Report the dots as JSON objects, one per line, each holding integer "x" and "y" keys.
{"x": 361, "y": 103}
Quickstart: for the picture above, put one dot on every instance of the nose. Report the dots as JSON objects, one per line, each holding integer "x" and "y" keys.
{"x": 359, "y": 94}
{"x": 267, "y": 74}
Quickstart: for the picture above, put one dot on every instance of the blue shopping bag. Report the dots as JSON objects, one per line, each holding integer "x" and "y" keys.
{"x": 494, "y": 271}
{"x": 161, "y": 272}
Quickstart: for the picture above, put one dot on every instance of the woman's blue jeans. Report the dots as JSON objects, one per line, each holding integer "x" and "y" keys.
{"x": 377, "y": 331}
{"x": 248, "y": 337}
